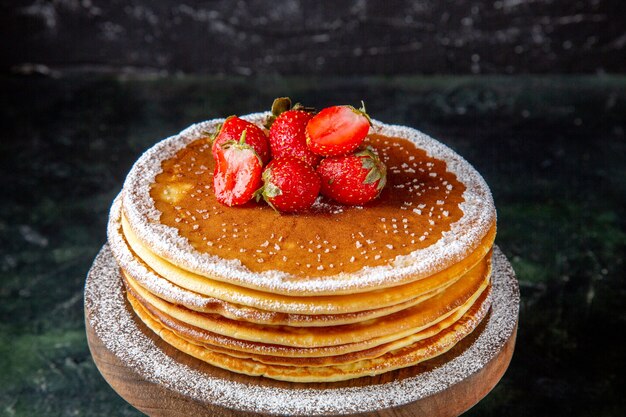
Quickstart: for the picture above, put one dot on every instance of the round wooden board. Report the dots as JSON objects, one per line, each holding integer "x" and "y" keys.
{"x": 161, "y": 381}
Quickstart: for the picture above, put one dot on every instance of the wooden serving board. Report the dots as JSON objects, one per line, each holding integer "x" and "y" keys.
{"x": 162, "y": 381}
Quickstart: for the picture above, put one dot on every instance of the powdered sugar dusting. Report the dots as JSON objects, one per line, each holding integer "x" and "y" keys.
{"x": 141, "y": 273}
{"x": 114, "y": 325}
{"x": 464, "y": 235}
{"x": 160, "y": 286}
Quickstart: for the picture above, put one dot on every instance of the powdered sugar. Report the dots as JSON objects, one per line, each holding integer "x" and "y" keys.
{"x": 173, "y": 293}
{"x": 114, "y": 325}
{"x": 464, "y": 236}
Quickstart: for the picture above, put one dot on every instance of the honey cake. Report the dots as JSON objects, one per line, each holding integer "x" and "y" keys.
{"x": 321, "y": 290}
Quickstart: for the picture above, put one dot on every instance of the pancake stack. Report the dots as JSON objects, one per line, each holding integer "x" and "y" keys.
{"x": 331, "y": 294}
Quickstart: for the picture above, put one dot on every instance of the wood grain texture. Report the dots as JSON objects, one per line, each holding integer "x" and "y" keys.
{"x": 155, "y": 400}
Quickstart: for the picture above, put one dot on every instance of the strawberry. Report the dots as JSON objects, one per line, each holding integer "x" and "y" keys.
{"x": 352, "y": 179}
{"x": 337, "y": 130}
{"x": 287, "y": 125}
{"x": 289, "y": 185}
{"x": 231, "y": 130}
{"x": 237, "y": 172}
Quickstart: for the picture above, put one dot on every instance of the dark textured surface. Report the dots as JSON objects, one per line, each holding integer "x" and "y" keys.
{"x": 553, "y": 150}
{"x": 319, "y": 37}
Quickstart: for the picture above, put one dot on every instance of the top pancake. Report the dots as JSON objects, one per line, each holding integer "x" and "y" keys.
{"x": 435, "y": 211}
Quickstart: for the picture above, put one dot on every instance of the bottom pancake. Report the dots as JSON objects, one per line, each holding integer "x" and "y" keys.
{"x": 410, "y": 355}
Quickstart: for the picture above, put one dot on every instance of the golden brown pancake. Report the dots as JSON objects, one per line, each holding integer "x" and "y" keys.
{"x": 443, "y": 339}
{"x": 333, "y": 293}
{"x": 393, "y": 325}
{"x": 329, "y": 304}
{"x": 280, "y": 354}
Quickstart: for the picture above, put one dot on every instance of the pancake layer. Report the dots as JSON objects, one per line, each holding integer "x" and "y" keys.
{"x": 331, "y": 294}
{"x": 434, "y": 212}
{"x": 442, "y": 340}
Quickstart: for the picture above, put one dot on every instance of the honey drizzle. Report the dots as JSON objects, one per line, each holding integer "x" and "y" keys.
{"x": 419, "y": 203}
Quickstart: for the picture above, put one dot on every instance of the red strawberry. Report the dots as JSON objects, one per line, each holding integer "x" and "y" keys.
{"x": 231, "y": 130}
{"x": 337, "y": 130}
{"x": 289, "y": 185}
{"x": 237, "y": 172}
{"x": 353, "y": 179}
{"x": 287, "y": 126}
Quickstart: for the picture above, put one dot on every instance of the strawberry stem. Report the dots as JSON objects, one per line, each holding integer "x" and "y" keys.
{"x": 213, "y": 135}
{"x": 363, "y": 112}
{"x": 242, "y": 139}
{"x": 279, "y": 106}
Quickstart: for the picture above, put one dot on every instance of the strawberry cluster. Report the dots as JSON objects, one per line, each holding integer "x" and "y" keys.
{"x": 305, "y": 154}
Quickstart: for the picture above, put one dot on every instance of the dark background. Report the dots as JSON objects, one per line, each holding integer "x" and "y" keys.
{"x": 316, "y": 37}
{"x": 532, "y": 93}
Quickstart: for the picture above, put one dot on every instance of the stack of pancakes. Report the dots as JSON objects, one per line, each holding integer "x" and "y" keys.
{"x": 327, "y": 295}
